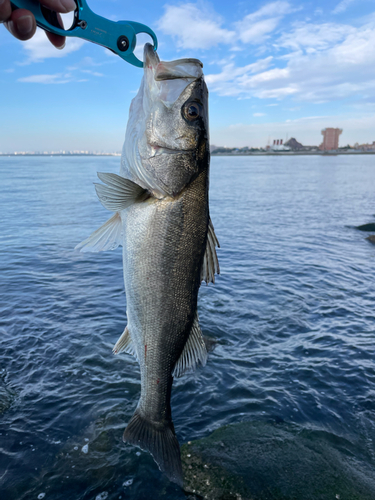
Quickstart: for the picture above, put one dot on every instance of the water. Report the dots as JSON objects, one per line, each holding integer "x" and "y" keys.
{"x": 292, "y": 314}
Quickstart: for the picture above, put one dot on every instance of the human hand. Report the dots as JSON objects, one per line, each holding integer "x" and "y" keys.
{"x": 21, "y": 22}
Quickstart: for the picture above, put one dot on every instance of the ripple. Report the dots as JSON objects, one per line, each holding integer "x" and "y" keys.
{"x": 291, "y": 315}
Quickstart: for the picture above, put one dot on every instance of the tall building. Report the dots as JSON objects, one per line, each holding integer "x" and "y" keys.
{"x": 330, "y": 138}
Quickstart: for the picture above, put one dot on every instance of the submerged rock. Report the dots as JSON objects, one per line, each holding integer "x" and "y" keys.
{"x": 367, "y": 227}
{"x": 268, "y": 461}
{"x": 371, "y": 239}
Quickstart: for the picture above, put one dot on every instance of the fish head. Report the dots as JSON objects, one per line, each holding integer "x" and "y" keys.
{"x": 167, "y": 138}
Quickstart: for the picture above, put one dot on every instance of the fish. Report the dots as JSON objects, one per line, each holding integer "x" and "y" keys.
{"x": 160, "y": 201}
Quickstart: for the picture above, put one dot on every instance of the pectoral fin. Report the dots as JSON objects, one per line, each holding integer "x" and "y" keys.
{"x": 194, "y": 352}
{"x": 210, "y": 265}
{"x": 119, "y": 193}
{"x": 107, "y": 237}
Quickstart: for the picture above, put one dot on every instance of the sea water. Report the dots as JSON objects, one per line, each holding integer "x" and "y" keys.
{"x": 292, "y": 318}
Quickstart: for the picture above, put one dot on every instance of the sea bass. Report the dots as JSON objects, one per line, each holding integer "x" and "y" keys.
{"x": 160, "y": 200}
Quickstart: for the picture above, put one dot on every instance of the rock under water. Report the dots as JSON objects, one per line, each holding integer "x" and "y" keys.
{"x": 367, "y": 227}
{"x": 276, "y": 461}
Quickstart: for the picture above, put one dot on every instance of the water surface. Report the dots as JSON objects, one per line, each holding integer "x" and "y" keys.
{"x": 292, "y": 314}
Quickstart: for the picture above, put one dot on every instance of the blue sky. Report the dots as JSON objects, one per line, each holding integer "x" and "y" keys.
{"x": 274, "y": 70}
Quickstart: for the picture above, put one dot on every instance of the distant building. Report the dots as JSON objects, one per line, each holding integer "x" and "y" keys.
{"x": 330, "y": 138}
{"x": 294, "y": 145}
{"x": 365, "y": 147}
{"x": 278, "y": 146}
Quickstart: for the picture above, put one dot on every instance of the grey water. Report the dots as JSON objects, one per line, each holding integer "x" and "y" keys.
{"x": 292, "y": 316}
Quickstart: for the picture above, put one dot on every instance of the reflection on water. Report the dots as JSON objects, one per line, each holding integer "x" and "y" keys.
{"x": 292, "y": 314}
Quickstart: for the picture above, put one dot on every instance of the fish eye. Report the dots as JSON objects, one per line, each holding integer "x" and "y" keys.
{"x": 192, "y": 111}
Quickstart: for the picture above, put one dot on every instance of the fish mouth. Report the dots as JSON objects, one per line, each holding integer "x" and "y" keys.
{"x": 171, "y": 70}
{"x": 160, "y": 150}
{"x": 150, "y": 57}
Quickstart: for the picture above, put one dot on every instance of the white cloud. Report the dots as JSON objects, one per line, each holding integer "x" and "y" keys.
{"x": 93, "y": 73}
{"x": 314, "y": 37}
{"x": 276, "y": 93}
{"x": 71, "y": 73}
{"x": 342, "y": 6}
{"x": 57, "y": 78}
{"x": 231, "y": 73}
{"x": 256, "y": 33}
{"x": 259, "y": 114}
{"x": 194, "y": 27}
{"x": 266, "y": 76}
{"x": 197, "y": 26}
{"x": 313, "y": 62}
{"x": 240, "y": 81}
{"x": 255, "y": 27}
{"x": 341, "y": 65}
{"x": 271, "y": 9}
{"x": 87, "y": 62}
{"x": 39, "y": 47}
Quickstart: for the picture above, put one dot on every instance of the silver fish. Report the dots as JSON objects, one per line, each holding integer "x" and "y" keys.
{"x": 160, "y": 200}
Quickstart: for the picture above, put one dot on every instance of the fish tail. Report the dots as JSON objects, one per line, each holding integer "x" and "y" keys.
{"x": 160, "y": 440}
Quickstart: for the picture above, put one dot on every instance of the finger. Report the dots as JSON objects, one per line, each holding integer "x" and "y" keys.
{"x": 5, "y": 10}
{"x": 57, "y": 40}
{"x": 63, "y": 6}
{"x": 22, "y": 24}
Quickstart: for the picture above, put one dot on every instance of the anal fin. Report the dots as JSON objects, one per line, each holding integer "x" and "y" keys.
{"x": 194, "y": 351}
{"x": 210, "y": 265}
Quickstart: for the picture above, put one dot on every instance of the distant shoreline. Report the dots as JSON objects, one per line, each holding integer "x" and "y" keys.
{"x": 59, "y": 154}
{"x": 297, "y": 153}
{"x": 260, "y": 153}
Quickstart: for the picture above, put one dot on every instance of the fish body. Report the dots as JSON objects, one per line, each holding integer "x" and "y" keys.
{"x": 162, "y": 220}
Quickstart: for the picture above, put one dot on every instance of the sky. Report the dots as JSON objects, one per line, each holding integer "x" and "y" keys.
{"x": 274, "y": 70}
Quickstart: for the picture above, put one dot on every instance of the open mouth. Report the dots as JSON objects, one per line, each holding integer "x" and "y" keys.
{"x": 160, "y": 150}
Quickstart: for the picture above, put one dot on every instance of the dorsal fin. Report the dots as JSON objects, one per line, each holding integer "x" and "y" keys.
{"x": 194, "y": 352}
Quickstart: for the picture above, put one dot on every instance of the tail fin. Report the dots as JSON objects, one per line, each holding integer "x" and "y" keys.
{"x": 160, "y": 440}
